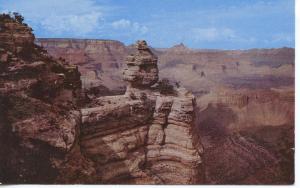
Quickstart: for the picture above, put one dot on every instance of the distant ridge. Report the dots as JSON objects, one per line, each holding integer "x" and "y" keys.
{"x": 73, "y": 39}
{"x": 177, "y": 47}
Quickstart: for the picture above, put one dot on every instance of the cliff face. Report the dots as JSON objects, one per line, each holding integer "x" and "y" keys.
{"x": 100, "y": 61}
{"x": 39, "y": 117}
{"x": 144, "y": 136}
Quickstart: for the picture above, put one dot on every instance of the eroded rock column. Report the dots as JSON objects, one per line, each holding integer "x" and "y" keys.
{"x": 171, "y": 153}
{"x": 142, "y": 137}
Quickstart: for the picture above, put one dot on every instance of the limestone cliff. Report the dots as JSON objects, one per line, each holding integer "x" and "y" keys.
{"x": 142, "y": 136}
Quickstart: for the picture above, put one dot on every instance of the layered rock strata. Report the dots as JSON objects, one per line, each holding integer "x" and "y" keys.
{"x": 15, "y": 36}
{"x": 142, "y": 136}
{"x": 141, "y": 68}
{"x": 171, "y": 153}
{"x": 39, "y": 116}
{"x": 100, "y": 61}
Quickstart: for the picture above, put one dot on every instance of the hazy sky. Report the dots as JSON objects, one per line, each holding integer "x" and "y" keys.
{"x": 225, "y": 24}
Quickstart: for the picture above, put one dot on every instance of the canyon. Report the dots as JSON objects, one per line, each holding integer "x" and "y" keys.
{"x": 100, "y": 112}
{"x": 236, "y": 78}
{"x": 242, "y": 96}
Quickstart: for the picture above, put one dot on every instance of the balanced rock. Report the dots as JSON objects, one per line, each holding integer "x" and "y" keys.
{"x": 141, "y": 68}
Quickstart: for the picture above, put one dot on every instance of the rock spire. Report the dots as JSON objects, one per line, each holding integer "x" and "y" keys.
{"x": 141, "y": 68}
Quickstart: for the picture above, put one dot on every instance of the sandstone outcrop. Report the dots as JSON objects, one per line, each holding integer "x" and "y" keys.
{"x": 39, "y": 116}
{"x": 141, "y": 68}
{"x": 143, "y": 136}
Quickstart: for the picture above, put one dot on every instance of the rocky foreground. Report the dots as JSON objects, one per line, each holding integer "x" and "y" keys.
{"x": 51, "y": 132}
{"x": 39, "y": 117}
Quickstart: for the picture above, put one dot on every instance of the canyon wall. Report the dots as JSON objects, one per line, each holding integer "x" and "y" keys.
{"x": 197, "y": 70}
{"x": 100, "y": 61}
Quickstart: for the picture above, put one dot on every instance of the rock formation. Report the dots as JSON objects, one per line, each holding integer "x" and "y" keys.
{"x": 39, "y": 97}
{"x": 141, "y": 68}
{"x": 47, "y": 136}
{"x": 142, "y": 136}
{"x": 15, "y": 36}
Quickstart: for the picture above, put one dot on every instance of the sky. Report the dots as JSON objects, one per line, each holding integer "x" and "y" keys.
{"x": 209, "y": 24}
